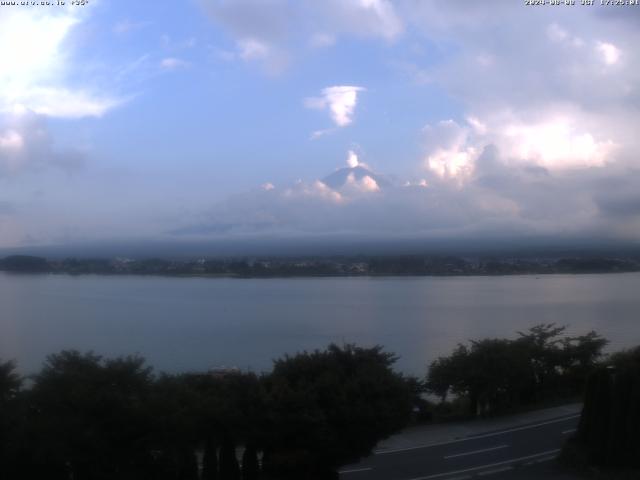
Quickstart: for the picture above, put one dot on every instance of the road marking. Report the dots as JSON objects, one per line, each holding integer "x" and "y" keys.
{"x": 476, "y": 451}
{"x": 466, "y": 439}
{"x": 571, "y": 430}
{"x": 495, "y": 470}
{"x": 490, "y": 465}
{"x": 546, "y": 459}
{"x": 355, "y": 470}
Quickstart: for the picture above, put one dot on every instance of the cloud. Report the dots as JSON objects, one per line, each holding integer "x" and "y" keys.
{"x": 273, "y": 31}
{"x": 541, "y": 141}
{"x": 172, "y": 45}
{"x": 62, "y": 103}
{"x": 555, "y": 141}
{"x": 173, "y": 63}
{"x": 352, "y": 159}
{"x": 609, "y": 52}
{"x": 252, "y": 49}
{"x": 368, "y": 18}
{"x": 340, "y": 101}
{"x": 364, "y": 184}
{"x": 322, "y": 40}
{"x": 541, "y": 104}
{"x": 26, "y": 145}
{"x": 448, "y": 151}
{"x": 35, "y": 72}
{"x": 491, "y": 194}
{"x": 126, "y": 25}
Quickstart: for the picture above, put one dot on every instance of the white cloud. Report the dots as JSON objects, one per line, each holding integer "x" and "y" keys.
{"x": 609, "y": 53}
{"x": 252, "y": 49}
{"x": 352, "y": 159}
{"x": 543, "y": 104}
{"x": 249, "y": 50}
{"x": 365, "y": 184}
{"x": 448, "y": 153}
{"x": 322, "y": 40}
{"x": 60, "y": 102}
{"x": 314, "y": 190}
{"x": 173, "y": 63}
{"x": 35, "y": 69}
{"x": 555, "y": 141}
{"x": 340, "y": 101}
{"x": 11, "y": 141}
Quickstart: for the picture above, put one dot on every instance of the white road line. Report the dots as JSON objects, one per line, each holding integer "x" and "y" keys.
{"x": 476, "y": 451}
{"x": 546, "y": 459}
{"x": 490, "y": 465}
{"x": 466, "y": 439}
{"x": 495, "y": 470}
{"x": 355, "y": 470}
{"x": 571, "y": 430}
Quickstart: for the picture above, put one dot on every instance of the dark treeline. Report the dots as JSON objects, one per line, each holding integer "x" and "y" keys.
{"x": 84, "y": 417}
{"x": 496, "y": 375}
{"x": 608, "y": 435}
{"x": 340, "y": 266}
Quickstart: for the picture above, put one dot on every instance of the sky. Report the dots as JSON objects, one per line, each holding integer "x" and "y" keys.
{"x": 210, "y": 119}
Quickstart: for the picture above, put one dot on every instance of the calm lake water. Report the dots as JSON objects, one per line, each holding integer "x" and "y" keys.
{"x": 198, "y": 323}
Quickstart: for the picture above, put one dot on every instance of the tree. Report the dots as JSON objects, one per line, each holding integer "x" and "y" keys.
{"x": 331, "y": 407}
{"x": 610, "y": 422}
{"x": 580, "y": 356}
{"x": 490, "y": 373}
{"x": 10, "y": 382}
{"x": 499, "y": 374}
{"x": 89, "y": 417}
{"x": 542, "y": 346}
{"x": 210, "y": 461}
{"x": 24, "y": 263}
{"x": 229, "y": 467}
{"x": 250, "y": 465}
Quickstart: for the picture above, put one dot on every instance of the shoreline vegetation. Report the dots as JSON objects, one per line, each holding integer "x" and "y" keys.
{"x": 88, "y": 417}
{"x": 357, "y": 266}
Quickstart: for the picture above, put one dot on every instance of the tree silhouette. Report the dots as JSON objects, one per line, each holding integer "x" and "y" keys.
{"x": 610, "y": 422}
{"x": 498, "y": 374}
{"x": 331, "y": 407}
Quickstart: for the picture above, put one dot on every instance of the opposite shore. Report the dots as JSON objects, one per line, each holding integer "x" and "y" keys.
{"x": 360, "y": 266}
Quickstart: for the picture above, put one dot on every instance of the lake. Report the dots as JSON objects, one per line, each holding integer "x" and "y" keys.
{"x": 199, "y": 323}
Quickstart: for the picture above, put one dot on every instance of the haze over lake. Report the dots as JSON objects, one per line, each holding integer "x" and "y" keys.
{"x": 199, "y": 323}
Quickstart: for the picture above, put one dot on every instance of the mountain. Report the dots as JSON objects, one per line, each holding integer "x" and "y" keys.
{"x": 339, "y": 178}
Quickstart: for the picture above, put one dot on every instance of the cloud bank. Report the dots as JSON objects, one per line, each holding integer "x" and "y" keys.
{"x": 545, "y": 143}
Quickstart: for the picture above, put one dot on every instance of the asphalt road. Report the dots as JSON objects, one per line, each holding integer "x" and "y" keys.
{"x": 500, "y": 453}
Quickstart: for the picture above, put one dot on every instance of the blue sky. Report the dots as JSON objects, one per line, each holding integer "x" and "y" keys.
{"x": 141, "y": 119}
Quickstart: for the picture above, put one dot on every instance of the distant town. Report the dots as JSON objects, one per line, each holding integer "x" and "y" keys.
{"x": 325, "y": 266}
